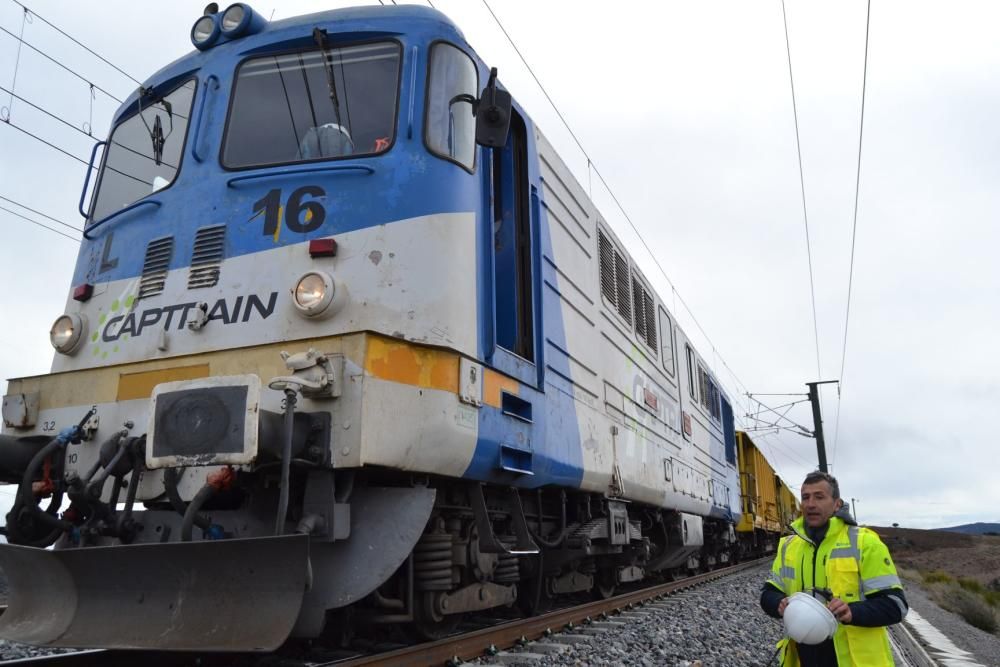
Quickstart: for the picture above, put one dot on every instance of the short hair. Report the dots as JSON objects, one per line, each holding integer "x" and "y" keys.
{"x": 816, "y": 476}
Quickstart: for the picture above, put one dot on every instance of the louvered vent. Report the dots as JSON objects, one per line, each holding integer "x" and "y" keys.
{"x": 154, "y": 268}
{"x": 640, "y": 318}
{"x": 621, "y": 281}
{"x": 607, "y": 254}
{"x": 650, "y": 321}
{"x": 645, "y": 315}
{"x": 614, "y": 277}
{"x": 206, "y": 259}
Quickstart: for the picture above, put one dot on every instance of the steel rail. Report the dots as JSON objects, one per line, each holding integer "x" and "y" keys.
{"x": 472, "y": 645}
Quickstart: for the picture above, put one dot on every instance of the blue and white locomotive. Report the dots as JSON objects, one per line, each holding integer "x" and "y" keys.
{"x": 346, "y": 339}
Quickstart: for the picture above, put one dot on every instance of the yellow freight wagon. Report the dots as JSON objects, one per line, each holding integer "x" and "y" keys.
{"x": 789, "y": 507}
{"x": 768, "y": 504}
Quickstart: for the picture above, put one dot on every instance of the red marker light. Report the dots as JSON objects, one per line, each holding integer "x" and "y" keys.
{"x": 322, "y": 248}
{"x": 83, "y": 292}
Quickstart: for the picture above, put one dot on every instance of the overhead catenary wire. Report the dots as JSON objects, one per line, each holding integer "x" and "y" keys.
{"x": 781, "y": 416}
{"x": 68, "y": 69}
{"x": 81, "y": 131}
{"x": 9, "y": 123}
{"x": 5, "y": 112}
{"x": 802, "y": 184}
{"x": 77, "y": 42}
{"x": 44, "y": 215}
{"x": 854, "y": 235}
{"x": 777, "y": 447}
{"x": 607, "y": 187}
{"x": 35, "y": 222}
{"x": 65, "y": 152}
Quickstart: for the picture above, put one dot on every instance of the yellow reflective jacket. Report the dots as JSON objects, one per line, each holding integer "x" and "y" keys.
{"x": 852, "y": 563}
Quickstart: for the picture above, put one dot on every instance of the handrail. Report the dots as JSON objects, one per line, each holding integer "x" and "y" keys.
{"x": 86, "y": 181}
{"x": 201, "y": 118}
{"x": 131, "y": 207}
{"x": 413, "y": 95}
{"x": 300, "y": 170}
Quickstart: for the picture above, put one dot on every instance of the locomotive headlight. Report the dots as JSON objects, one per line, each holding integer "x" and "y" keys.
{"x": 66, "y": 333}
{"x": 314, "y": 292}
{"x": 204, "y": 32}
{"x": 239, "y": 20}
{"x": 317, "y": 294}
{"x": 233, "y": 19}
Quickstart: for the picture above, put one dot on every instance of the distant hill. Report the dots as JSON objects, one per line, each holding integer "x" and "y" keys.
{"x": 974, "y": 528}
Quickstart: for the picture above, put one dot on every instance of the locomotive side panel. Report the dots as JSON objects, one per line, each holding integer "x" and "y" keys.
{"x": 639, "y": 415}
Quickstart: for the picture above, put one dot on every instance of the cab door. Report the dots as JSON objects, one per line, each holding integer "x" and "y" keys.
{"x": 512, "y": 246}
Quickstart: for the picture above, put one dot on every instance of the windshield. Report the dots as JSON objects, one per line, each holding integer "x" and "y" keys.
{"x": 450, "y": 123}
{"x": 313, "y": 105}
{"x": 144, "y": 151}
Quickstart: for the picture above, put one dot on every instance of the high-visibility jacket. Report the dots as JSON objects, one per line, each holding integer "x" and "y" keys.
{"x": 850, "y": 562}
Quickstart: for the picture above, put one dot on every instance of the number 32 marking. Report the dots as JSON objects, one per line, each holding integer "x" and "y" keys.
{"x": 299, "y": 216}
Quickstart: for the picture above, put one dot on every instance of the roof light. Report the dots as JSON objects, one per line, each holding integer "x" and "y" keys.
{"x": 239, "y": 19}
{"x": 233, "y": 18}
{"x": 205, "y": 32}
{"x": 323, "y": 248}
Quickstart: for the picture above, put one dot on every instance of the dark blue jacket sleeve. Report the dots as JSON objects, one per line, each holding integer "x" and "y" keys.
{"x": 878, "y": 609}
{"x": 770, "y": 598}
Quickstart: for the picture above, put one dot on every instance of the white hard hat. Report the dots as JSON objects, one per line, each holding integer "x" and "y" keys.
{"x": 807, "y": 620}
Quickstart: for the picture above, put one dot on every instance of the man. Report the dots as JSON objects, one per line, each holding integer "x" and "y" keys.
{"x": 848, "y": 568}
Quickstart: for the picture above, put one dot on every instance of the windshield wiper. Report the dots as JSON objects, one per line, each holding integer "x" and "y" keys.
{"x": 156, "y": 135}
{"x": 319, "y": 35}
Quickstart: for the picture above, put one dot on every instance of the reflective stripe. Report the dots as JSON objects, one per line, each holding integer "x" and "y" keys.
{"x": 775, "y": 581}
{"x": 787, "y": 572}
{"x": 849, "y": 552}
{"x": 784, "y": 554}
{"x": 903, "y": 609}
{"x": 852, "y": 535}
{"x": 878, "y": 583}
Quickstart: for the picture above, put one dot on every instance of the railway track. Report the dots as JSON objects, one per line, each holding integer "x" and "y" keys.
{"x": 449, "y": 651}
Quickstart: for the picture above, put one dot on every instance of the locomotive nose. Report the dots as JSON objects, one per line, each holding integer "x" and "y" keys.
{"x": 225, "y": 595}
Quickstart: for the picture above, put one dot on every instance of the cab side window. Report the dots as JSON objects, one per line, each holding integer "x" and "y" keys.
{"x": 450, "y": 127}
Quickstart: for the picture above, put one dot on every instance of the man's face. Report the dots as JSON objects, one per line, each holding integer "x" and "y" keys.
{"x": 818, "y": 503}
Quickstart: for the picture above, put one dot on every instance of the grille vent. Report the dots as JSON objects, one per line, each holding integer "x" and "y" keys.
{"x": 645, "y": 314}
{"x": 607, "y": 254}
{"x": 209, "y": 244}
{"x": 614, "y": 277}
{"x": 154, "y": 268}
{"x": 624, "y": 295}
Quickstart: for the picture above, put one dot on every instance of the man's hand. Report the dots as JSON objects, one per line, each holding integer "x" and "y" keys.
{"x": 781, "y": 606}
{"x": 841, "y": 610}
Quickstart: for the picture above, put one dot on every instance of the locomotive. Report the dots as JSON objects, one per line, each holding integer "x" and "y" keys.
{"x": 347, "y": 343}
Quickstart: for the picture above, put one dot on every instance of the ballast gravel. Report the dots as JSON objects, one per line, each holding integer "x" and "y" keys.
{"x": 720, "y": 624}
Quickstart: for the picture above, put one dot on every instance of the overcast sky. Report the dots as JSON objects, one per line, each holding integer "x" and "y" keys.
{"x": 685, "y": 108}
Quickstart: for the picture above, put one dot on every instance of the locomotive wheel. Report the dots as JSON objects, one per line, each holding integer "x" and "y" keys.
{"x": 604, "y": 585}
{"x": 532, "y": 601}
{"x": 428, "y": 623}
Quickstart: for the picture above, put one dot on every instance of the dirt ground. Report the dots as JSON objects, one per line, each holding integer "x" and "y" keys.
{"x": 973, "y": 556}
